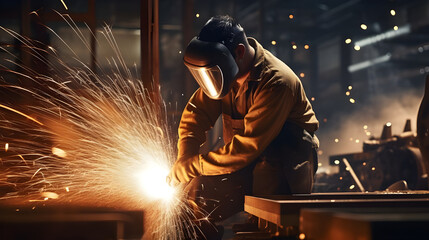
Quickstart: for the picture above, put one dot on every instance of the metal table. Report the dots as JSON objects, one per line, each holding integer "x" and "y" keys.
{"x": 280, "y": 215}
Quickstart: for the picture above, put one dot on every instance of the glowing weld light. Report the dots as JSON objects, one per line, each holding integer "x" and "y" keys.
{"x": 152, "y": 181}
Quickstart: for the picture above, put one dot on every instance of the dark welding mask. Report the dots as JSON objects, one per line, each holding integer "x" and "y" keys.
{"x": 212, "y": 65}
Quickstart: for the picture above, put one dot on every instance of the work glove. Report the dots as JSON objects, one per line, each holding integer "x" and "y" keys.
{"x": 183, "y": 170}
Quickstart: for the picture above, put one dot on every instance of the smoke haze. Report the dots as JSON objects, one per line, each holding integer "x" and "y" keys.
{"x": 349, "y": 128}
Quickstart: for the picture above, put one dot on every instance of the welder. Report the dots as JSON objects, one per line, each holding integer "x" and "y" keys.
{"x": 268, "y": 123}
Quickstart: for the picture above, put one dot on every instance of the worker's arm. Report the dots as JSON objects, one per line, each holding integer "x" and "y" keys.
{"x": 199, "y": 115}
{"x": 262, "y": 124}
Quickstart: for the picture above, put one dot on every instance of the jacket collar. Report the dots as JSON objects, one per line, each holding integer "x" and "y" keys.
{"x": 258, "y": 62}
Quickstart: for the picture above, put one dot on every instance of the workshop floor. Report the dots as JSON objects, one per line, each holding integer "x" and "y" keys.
{"x": 240, "y": 217}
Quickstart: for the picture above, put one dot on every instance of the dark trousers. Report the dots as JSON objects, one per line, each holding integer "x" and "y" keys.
{"x": 287, "y": 166}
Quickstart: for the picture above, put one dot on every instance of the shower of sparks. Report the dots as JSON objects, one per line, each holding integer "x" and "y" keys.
{"x": 99, "y": 140}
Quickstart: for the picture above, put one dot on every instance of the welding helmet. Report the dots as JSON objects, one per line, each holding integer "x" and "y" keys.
{"x": 212, "y": 65}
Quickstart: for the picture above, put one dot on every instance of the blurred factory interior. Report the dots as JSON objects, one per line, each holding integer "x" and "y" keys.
{"x": 363, "y": 64}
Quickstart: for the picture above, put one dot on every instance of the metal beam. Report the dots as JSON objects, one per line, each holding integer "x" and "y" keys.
{"x": 187, "y": 34}
{"x": 284, "y": 211}
{"x": 149, "y": 35}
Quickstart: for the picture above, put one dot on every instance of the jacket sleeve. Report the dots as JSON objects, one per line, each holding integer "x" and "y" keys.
{"x": 199, "y": 115}
{"x": 263, "y": 122}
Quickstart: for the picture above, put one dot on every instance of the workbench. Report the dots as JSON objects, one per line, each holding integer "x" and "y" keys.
{"x": 294, "y": 215}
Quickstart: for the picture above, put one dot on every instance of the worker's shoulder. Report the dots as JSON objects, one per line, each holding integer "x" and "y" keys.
{"x": 277, "y": 72}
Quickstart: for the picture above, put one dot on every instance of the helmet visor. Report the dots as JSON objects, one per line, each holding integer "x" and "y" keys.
{"x": 210, "y": 79}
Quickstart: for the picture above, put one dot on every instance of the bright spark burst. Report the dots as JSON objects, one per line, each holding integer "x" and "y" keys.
{"x": 98, "y": 139}
{"x": 155, "y": 174}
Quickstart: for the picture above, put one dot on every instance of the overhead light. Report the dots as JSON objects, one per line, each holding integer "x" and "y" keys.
{"x": 294, "y": 46}
{"x": 363, "y": 26}
{"x": 384, "y": 36}
{"x": 291, "y": 16}
{"x": 369, "y": 63}
{"x": 392, "y": 12}
{"x": 348, "y": 41}
{"x": 306, "y": 46}
{"x": 395, "y": 28}
{"x": 273, "y": 42}
{"x": 357, "y": 47}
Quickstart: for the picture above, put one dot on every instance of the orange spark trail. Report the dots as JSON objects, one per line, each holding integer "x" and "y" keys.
{"x": 21, "y": 113}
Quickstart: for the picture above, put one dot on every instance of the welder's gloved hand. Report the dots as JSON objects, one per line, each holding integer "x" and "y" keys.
{"x": 183, "y": 170}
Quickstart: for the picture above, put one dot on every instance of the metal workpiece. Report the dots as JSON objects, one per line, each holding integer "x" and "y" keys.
{"x": 285, "y": 211}
{"x": 69, "y": 223}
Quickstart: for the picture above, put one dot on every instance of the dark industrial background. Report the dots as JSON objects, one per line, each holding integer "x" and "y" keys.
{"x": 355, "y": 87}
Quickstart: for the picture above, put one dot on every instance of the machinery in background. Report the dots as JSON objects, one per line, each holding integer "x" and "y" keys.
{"x": 383, "y": 161}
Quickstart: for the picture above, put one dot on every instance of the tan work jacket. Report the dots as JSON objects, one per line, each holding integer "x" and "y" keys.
{"x": 252, "y": 115}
